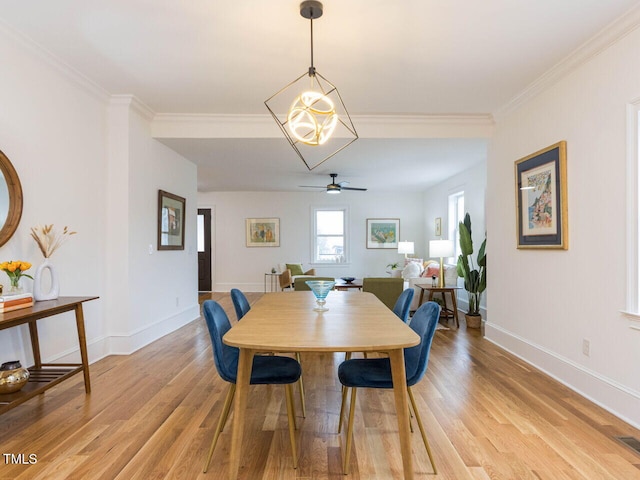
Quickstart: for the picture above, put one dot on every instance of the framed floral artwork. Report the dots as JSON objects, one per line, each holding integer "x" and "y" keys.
{"x": 263, "y": 232}
{"x": 383, "y": 232}
{"x": 541, "y": 198}
{"x": 171, "y": 217}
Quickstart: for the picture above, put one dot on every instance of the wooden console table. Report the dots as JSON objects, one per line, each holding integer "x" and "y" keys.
{"x": 42, "y": 375}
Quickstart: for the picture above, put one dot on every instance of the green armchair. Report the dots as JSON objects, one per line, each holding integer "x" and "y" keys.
{"x": 386, "y": 289}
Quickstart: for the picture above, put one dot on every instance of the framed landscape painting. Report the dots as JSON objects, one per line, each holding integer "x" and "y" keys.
{"x": 263, "y": 232}
{"x": 170, "y": 221}
{"x": 383, "y": 232}
{"x": 541, "y": 198}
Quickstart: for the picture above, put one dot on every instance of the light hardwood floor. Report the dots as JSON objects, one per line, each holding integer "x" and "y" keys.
{"x": 151, "y": 415}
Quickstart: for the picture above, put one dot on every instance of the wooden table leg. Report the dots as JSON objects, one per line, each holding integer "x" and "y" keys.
{"x": 455, "y": 307}
{"x": 240, "y": 404}
{"x": 82, "y": 340}
{"x": 421, "y": 297}
{"x": 402, "y": 409}
{"x": 445, "y": 310}
{"x": 35, "y": 344}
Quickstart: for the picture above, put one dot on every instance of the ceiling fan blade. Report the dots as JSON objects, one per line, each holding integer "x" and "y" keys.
{"x": 343, "y": 184}
{"x": 312, "y": 186}
{"x": 352, "y": 188}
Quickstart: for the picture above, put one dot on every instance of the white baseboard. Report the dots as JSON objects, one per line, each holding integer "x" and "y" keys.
{"x": 126, "y": 344}
{"x": 601, "y": 390}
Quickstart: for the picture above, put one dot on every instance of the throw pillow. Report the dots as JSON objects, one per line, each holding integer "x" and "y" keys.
{"x": 409, "y": 260}
{"x": 296, "y": 269}
{"x": 412, "y": 270}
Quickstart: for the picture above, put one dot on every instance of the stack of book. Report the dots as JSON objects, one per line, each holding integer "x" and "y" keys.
{"x": 9, "y": 303}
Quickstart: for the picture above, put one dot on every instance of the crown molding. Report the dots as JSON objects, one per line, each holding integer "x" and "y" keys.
{"x": 135, "y": 104}
{"x": 67, "y": 71}
{"x": 608, "y": 36}
{"x": 167, "y": 125}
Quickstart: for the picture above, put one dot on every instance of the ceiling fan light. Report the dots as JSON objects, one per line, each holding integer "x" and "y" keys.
{"x": 333, "y": 189}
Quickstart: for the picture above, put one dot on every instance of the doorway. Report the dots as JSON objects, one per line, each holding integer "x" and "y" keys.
{"x": 204, "y": 250}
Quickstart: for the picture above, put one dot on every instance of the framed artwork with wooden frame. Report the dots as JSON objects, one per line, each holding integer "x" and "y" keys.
{"x": 541, "y": 198}
{"x": 262, "y": 232}
{"x": 171, "y": 217}
{"x": 383, "y": 232}
{"x": 438, "y": 227}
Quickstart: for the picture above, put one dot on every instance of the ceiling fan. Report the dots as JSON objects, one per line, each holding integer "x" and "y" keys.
{"x": 334, "y": 187}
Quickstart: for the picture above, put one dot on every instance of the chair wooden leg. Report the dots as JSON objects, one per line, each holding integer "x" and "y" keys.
{"x": 292, "y": 421}
{"x": 343, "y": 403}
{"x": 345, "y": 390}
{"x": 301, "y": 390}
{"x": 221, "y": 422}
{"x": 347, "y": 453}
{"x": 422, "y": 432}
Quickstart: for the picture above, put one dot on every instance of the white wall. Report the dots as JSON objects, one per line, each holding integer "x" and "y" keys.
{"x": 543, "y": 303}
{"x": 236, "y": 265}
{"x": 473, "y": 182}
{"x": 67, "y": 143}
{"x": 54, "y": 134}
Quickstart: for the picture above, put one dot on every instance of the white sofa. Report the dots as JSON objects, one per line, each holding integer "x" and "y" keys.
{"x": 427, "y": 270}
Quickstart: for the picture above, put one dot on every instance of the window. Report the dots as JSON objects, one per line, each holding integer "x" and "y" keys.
{"x": 456, "y": 215}
{"x": 329, "y": 235}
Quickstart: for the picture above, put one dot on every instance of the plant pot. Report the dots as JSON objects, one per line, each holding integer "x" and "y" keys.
{"x": 473, "y": 321}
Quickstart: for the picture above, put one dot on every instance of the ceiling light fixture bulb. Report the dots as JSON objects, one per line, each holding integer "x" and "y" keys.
{"x": 333, "y": 189}
{"x": 312, "y": 118}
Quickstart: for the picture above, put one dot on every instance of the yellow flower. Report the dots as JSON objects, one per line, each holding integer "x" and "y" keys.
{"x": 12, "y": 266}
{"x": 24, "y": 266}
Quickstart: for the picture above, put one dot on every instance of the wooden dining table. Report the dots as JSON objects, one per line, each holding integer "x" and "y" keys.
{"x": 355, "y": 322}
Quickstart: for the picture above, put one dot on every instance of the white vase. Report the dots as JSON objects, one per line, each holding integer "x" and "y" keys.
{"x": 54, "y": 290}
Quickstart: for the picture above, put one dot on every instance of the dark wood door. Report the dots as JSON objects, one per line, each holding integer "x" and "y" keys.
{"x": 204, "y": 249}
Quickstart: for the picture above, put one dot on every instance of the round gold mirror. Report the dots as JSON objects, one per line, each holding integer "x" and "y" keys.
{"x": 10, "y": 199}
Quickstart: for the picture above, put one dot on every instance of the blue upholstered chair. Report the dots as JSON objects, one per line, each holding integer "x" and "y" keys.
{"x": 267, "y": 370}
{"x": 376, "y": 372}
{"x": 403, "y": 304}
{"x": 242, "y": 307}
{"x": 240, "y": 303}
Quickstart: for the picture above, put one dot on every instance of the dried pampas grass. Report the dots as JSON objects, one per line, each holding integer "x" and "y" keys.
{"x": 48, "y": 239}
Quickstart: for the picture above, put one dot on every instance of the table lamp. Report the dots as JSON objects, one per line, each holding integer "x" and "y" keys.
{"x": 441, "y": 248}
{"x": 406, "y": 248}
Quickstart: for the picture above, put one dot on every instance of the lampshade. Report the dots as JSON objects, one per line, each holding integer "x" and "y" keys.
{"x": 310, "y": 111}
{"x": 405, "y": 247}
{"x": 441, "y": 248}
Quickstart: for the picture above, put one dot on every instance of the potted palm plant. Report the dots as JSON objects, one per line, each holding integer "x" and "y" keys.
{"x": 475, "y": 275}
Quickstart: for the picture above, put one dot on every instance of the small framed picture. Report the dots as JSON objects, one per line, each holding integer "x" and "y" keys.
{"x": 541, "y": 198}
{"x": 438, "y": 226}
{"x": 383, "y": 232}
{"x": 263, "y": 232}
{"x": 171, "y": 217}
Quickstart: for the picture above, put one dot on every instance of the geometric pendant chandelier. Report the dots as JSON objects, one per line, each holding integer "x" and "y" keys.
{"x": 310, "y": 111}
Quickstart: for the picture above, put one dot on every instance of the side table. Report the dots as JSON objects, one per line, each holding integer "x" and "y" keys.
{"x": 445, "y": 312}
{"x": 273, "y": 282}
